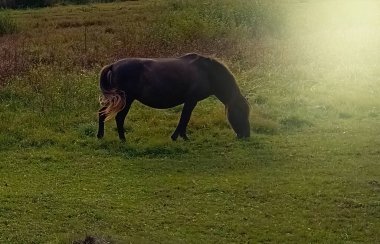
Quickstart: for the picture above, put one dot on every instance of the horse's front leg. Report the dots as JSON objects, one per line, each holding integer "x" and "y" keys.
{"x": 102, "y": 117}
{"x": 120, "y": 118}
{"x": 187, "y": 109}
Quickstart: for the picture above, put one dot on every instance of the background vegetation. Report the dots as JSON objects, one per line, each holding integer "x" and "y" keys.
{"x": 45, "y": 3}
{"x": 310, "y": 172}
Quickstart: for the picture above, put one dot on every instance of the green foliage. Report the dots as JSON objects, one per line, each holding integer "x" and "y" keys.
{"x": 202, "y": 21}
{"x": 7, "y": 24}
{"x": 49, "y": 91}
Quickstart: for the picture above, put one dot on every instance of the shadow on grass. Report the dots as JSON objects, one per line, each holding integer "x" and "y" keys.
{"x": 294, "y": 122}
{"x": 128, "y": 150}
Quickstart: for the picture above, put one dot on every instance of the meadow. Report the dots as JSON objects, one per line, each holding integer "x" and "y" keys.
{"x": 310, "y": 173}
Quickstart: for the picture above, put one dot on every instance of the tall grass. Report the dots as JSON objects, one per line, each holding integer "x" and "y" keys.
{"x": 49, "y": 91}
{"x": 7, "y": 24}
{"x": 225, "y": 30}
{"x": 209, "y": 26}
{"x": 249, "y": 18}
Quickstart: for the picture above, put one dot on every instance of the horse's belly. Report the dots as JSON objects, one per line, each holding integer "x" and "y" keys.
{"x": 161, "y": 104}
{"x": 158, "y": 98}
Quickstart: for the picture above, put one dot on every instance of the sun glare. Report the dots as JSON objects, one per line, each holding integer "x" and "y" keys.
{"x": 346, "y": 31}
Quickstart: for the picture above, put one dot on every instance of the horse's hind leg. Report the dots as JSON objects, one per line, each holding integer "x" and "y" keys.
{"x": 187, "y": 109}
{"x": 102, "y": 117}
{"x": 120, "y": 118}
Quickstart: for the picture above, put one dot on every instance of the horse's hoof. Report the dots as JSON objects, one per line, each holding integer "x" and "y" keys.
{"x": 185, "y": 138}
{"x": 99, "y": 136}
{"x": 174, "y": 138}
{"x": 243, "y": 138}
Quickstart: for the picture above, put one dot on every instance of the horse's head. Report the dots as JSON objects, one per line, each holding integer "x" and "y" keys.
{"x": 238, "y": 116}
{"x": 225, "y": 88}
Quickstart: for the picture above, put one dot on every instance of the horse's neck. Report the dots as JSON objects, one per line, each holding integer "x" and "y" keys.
{"x": 225, "y": 98}
{"x": 227, "y": 93}
{"x": 223, "y": 83}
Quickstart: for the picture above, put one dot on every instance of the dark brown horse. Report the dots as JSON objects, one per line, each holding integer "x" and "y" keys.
{"x": 168, "y": 82}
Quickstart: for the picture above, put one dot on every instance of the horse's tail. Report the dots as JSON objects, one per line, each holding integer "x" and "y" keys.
{"x": 112, "y": 99}
{"x": 105, "y": 78}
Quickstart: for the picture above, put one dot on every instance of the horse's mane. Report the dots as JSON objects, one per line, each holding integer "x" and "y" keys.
{"x": 222, "y": 69}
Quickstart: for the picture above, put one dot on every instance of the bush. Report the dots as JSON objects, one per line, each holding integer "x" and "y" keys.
{"x": 7, "y": 24}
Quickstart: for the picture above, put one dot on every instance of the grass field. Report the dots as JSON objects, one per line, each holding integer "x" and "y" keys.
{"x": 310, "y": 173}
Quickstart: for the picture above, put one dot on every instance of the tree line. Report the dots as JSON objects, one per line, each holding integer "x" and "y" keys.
{"x": 43, "y": 3}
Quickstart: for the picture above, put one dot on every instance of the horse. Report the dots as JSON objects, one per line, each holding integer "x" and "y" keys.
{"x": 168, "y": 82}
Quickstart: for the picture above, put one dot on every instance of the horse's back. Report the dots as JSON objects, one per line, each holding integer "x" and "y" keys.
{"x": 162, "y": 82}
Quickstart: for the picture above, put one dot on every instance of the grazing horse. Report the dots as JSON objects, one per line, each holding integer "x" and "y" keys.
{"x": 168, "y": 82}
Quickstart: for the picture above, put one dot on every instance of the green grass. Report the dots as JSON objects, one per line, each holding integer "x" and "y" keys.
{"x": 309, "y": 173}
{"x": 7, "y": 24}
